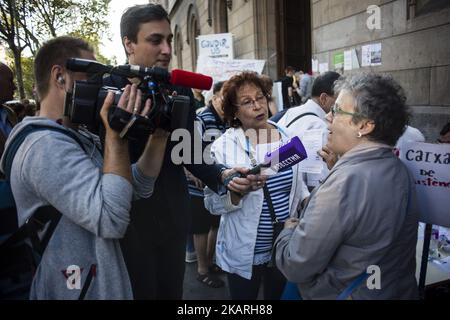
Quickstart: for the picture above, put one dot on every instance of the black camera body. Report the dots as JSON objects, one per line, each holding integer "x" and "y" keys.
{"x": 84, "y": 103}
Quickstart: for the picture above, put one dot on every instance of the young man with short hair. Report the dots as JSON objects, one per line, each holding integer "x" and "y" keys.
{"x": 60, "y": 167}
{"x": 155, "y": 244}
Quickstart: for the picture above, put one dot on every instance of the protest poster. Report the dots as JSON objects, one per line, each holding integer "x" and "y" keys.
{"x": 429, "y": 165}
{"x": 216, "y": 45}
{"x": 224, "y": 69}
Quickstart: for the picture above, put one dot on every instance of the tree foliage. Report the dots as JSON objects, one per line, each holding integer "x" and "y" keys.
{"x": 26, "y": 24}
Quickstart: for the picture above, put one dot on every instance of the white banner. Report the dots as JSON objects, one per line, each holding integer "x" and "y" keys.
{"x": 216, "y": 45}
{"x": 223, "y": 69}
{"x": 429, "y": 164}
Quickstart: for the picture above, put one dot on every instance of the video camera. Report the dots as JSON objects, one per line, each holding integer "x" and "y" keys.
{"x": 168, "y": 112}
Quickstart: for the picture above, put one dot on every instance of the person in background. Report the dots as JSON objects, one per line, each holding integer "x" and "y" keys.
{"x": 445, "y": 134}
{"x": 287, "y": 83}
{"x": 304, "y": 87}
{"x": 411, "y": 134}
{"x": 204, "y": 225}
{"x": 311, "y": 116}
{"x": 199, "y": 99}
{"x": 8, "y": 118}
{"x": 246, "y": 232}
{"x": 23, "y": 108}
{"x": 349, "y": 223}
{"x": 268, "y": 82}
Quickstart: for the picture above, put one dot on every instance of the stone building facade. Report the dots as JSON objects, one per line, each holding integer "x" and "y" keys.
{"x": 414, "y": 37}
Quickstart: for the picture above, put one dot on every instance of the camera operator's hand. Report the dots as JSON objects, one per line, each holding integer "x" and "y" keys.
{"x": 116, "y": 158}
{"x": 130, "y": 101}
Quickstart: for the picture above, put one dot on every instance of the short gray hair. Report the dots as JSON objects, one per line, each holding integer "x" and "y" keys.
{"x": 381, "y": 99}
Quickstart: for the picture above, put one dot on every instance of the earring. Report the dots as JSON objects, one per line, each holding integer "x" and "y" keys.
{"x": 359, "y": 135}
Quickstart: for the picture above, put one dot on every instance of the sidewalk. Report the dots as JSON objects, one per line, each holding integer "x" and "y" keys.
{"x": 195, "y": 290}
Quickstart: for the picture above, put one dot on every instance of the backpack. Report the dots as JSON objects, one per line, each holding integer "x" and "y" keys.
{"x": 19, "y": 260}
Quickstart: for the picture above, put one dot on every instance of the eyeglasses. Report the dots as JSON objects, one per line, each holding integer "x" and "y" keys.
{"x": 249, "y": 103}
{"x": 336, "y": 109}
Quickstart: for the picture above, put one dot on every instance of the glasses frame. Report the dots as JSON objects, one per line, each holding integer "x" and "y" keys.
{"x": 254, "y": 101}
{"x": 335, "y": 109}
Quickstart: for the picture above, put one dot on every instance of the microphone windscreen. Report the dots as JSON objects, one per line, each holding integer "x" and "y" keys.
{"x": 190, "y": 79}
{"x": 287, "y": 155}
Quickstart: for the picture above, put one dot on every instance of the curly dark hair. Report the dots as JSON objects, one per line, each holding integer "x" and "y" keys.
{"x": 230, "y": 89}
{"x": 381, "y": 99}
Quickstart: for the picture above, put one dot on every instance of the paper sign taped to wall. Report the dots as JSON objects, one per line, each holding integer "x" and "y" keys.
{"x": 429, "y": 165}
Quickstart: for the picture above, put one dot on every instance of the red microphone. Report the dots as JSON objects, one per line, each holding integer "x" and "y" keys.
{"x": 190, "y": 79}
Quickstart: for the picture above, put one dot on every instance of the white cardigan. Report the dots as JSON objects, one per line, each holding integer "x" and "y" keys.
{"x": 239, "y": 224}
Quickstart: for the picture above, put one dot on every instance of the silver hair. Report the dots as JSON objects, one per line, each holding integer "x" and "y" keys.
{"x": 381, "y": 99}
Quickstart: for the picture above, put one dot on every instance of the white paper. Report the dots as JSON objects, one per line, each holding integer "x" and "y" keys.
{"x": 315, "y": 65}
{"x": 365, "y": 55}
{"x": 375, "y": 54}
{"x": 348, "y": 60}
{"x": 443, "y": 264}
{"x": 224, "y": 69}
{"x": 277, "y": 95}
{"x": 355, "y": 62}
{"x": 313, "y": 142}
{"x": 216, "y": 45}
{"x": 323, "y": 67}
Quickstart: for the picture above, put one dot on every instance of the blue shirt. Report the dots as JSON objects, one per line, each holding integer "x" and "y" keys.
{"x": 279, "y": 187}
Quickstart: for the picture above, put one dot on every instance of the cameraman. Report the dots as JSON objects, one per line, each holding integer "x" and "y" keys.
{"x": 62, "y": 167}
{"x": 155, "y": 244}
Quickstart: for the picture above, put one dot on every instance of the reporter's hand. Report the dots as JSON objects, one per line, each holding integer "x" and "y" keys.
{"x": 328, "y": 156}
{"x": 197, "y": 182}
{"x": 244, "y": 185}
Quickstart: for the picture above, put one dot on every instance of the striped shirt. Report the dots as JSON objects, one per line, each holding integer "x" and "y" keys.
{"x": 211, "y": 127}
{"x": 279, "y": 187}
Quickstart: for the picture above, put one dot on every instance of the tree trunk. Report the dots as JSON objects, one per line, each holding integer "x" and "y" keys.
{"x": 19, "y": 73}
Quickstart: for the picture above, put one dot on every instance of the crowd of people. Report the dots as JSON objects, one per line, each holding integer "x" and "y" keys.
{"x": 117, "y": 213}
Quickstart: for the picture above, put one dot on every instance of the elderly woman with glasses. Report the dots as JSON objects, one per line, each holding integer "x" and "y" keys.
{"x": 246, "y": 232}
{"x": 363, "y": 218}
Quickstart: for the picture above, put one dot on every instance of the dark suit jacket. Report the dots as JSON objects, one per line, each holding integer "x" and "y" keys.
{"x": 166, "y": 213}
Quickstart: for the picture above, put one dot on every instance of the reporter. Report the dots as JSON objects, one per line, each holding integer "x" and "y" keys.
{"x": 246, "y": 232}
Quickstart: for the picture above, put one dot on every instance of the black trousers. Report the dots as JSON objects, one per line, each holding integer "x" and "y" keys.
{"x": 156, "y": 270}
{"x": 271, "y": 278}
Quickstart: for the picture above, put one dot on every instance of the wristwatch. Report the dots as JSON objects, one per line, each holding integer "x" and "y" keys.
{"x": 219, "y": 176}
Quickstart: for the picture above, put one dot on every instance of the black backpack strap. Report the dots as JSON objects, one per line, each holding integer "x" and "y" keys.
{"x": 30, "y": 229}
{"x": 300, "y": 116}
{"x": 273, "y": 216}
{"x": 21, "y": 136}
{"x": 43, "y": 215}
